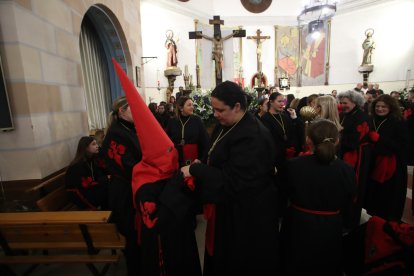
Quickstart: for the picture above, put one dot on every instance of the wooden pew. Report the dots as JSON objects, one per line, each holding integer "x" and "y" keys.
{"x": 57, "y": 234}
{"x": 57, "y": 200}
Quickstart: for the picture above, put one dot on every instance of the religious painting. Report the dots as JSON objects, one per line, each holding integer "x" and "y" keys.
{"x": 314, "y": 55}
{"x": 287, "y": 53}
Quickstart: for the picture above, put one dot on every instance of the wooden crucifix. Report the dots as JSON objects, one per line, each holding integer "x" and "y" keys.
{"x": 217, "y": 52}
{"x": 259, "y": 40}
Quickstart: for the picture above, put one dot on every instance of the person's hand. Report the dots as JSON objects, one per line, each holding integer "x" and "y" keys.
{"x": 186, "y": 171}
{"x": 292, "y": 113}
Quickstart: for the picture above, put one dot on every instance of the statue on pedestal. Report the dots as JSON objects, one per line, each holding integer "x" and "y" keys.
{"x": 366, "y": 67}
{"x": 368, "y": 45}
{"x": 172, "y": 71}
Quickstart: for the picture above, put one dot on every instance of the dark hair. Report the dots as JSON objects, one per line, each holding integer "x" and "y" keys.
{"x": 153, "y": 107}
{"x": 290, "y": 98}
{"x": 323, "y": 134}
{"x": 273, "y": 97}
{"x": 230, "y": 93}
{"x": 261, "y": 101}
{"x": 180, "y": 103}
{"x": 83, "y": 144}
{"x": 310, "y": 98}
{"x": 392, "y": 104}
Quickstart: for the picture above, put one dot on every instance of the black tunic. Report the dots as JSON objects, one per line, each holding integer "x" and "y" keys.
{"x": 387, "y": 199}
{"x": 290, "y": 138}
{"x": 194, "y": 133}
{"x": 312, "y": 243}
{"x": 409, "y": 116}
{"x": 166, "y": 229}
{"x": 354, "y": 149}
{"x": 87, "y": 184}
{"x": 122, "y": 151}
{"x": 293, "y": 129}
{"x": 238, "y": 180}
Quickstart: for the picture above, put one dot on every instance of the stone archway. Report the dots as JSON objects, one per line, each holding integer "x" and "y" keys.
{"x": 101, "y": 39}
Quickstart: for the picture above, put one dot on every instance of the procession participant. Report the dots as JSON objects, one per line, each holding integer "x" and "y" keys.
{"x": 353, "y": 147}
{"x": 86, "y": 182}
{"x": 387, "y": 182}
{"x": 121, "y": 152}
{"x": 161, "y": 196}
{"x": 311, "y": 232}
{"x": 237, "y": 182}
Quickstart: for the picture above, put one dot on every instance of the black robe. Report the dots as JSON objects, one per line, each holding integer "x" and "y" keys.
{"x": 294, "y": 136}
{"x": 409, "y": 116}
{"x": 166, "y": 230}
{"x": 238, "y": 180}
{"x": 122, "y": 151}
{"x": 87, "y": 185}
{"x": 354, "y": 149}
{"x": 386, "y": 199}
{"x": 293, "y": 130}
{"x": 194, "y": 133}
{"x": 311, "y": 244}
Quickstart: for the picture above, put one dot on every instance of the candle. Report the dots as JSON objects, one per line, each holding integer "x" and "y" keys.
{"x": 186, "y": 70}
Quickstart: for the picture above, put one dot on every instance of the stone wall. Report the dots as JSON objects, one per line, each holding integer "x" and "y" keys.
{"x": 39, "y": 46}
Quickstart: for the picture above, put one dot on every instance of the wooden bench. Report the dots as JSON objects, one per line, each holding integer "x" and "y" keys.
{"x": 52, "y": 194}
{"x": 59, "y": 237}
{"x": 57, "y": 200}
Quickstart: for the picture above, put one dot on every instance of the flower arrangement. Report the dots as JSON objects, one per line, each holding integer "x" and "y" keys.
{"x": 202, "y": 104}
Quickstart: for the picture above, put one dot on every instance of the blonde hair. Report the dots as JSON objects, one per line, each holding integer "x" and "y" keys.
{"x": 329, "y": 110}
{"x": 120, "y": 102}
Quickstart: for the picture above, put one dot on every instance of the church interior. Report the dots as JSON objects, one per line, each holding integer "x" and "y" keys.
{"x": 58, "y": 81}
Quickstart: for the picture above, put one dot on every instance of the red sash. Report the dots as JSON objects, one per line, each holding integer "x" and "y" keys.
{"x": 315, "y": 212}
{"x": 209, "y": 211}
{"x": 190, "y": 153}
{"x": 385, "y": 167}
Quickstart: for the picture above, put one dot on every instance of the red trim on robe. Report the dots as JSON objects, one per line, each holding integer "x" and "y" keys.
{"x": 315, "y": 212}
{"x": 209, "y": 211}
{"x": 290, "y": 153}
{"x": 379, "y": 244}
{"x": 385, "y": 167}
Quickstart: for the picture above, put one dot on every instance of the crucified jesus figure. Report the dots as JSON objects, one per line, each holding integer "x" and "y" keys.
{"x": 217, "y": 52}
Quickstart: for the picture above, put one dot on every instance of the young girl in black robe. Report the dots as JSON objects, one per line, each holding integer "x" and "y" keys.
{"x": 86, "y": 182}
{"x": 387, "y": 184}
{"x": 320, "y": 188}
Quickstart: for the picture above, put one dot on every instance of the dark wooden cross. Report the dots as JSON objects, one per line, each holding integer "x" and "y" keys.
{"x": 217, "y": 53}
{"x": 259, "y": 42}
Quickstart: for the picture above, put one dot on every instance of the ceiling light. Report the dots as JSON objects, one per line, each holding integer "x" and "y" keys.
{"x": 317, "y": 10}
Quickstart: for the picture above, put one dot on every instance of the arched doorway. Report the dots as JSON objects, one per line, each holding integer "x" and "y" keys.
{"x": 100, "y": 41}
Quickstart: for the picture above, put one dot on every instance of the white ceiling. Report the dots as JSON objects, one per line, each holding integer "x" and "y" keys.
{"x": 284, "y": 10}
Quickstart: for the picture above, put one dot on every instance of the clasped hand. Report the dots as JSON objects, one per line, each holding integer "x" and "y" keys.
{"x": 186, "y": 169}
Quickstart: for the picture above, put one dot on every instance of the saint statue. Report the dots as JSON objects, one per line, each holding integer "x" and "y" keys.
{"x": 368, "y": 45}
{"x": 171, "y": 49}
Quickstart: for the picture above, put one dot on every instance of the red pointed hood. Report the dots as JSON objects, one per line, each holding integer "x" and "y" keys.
{"x": 159, "y": 157}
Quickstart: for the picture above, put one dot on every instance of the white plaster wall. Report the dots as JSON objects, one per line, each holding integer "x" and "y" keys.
{"x": 155, "y": 21}
{"x": 394, "y": 38}
{"x": 391, "y": 20}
